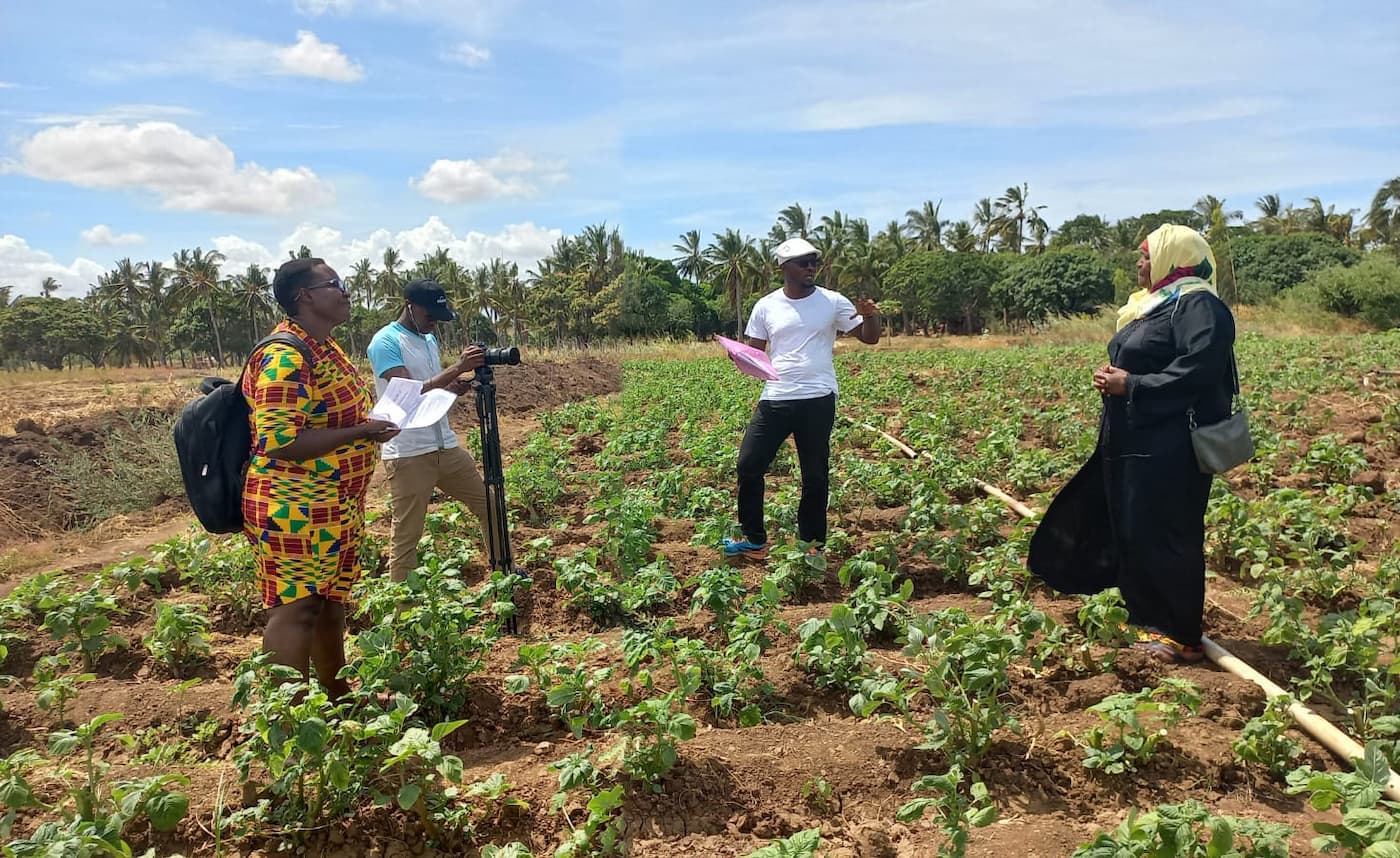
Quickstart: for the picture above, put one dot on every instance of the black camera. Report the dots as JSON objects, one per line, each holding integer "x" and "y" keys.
{"x": 503, "y": 356}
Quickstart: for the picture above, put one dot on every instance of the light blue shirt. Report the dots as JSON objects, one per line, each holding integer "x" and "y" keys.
{"x": 395, "y": 345}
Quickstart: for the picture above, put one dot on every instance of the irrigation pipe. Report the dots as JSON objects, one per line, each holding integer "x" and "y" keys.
{"x": 1324, "y": 731}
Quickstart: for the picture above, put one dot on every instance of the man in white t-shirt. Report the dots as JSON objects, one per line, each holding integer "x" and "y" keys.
{"x": 419, "y": 460}
{"x": 798, "y": 325}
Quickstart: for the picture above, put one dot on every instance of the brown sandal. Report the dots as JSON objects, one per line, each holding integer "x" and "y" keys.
{"x": 1166, "y": 650}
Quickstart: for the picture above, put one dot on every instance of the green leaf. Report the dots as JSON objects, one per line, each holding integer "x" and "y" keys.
{"x": 1383, "y": 849}
{"x": 683, "y": 727}
{"x": 606, "y": 801}
{"x": 312, "y": 735}
{"x": 166, "y": 808}
{"x": 446, "y": 728}
{"x": 1373, "y": 765}
{"x": 338, "y": 774}
{"x": 517, "y": 683}
{"x": 1371, "y": 824}
{"x": 912, "y": 810}
{"x": 408, "y": 795}
{"x": 982, "y": 817}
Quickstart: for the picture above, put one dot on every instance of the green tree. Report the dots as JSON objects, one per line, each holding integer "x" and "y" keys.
{"x": 1383, "y": 217}
{"x": 47, "y": 331}
{"x": 1056, "y": 283}
{"x": 196, "y": 278}
{"x": 691, "y": 261}
{"x": 794, "y": 221}
{"x": 1084, "y": 230}
{"x": 924, "y": 226}
{"x": 730, "y": 257}
{"x": 1265, "y": 265}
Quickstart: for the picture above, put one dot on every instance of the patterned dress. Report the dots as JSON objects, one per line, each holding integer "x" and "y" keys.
{"x": 305, "y": 518}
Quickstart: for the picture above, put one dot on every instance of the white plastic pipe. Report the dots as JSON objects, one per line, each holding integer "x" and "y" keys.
{"x": 1324, "y": 731}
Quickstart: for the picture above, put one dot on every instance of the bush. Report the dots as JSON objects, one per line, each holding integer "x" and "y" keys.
{"x": 1265, "y": 265}
{"x": 1059, "y": 283}
{"x": 1370, "y": 289}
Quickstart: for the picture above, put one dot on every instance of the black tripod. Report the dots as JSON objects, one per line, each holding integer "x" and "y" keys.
{"x": 497, "y": 525}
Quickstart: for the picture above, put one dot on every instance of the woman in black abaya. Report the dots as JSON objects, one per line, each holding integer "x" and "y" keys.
{"x": 1134, "y": 515}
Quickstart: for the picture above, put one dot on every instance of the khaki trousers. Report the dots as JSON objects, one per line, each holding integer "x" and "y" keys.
{"x": 411, "y": 484}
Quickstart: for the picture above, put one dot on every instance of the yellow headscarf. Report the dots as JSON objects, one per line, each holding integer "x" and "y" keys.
{"x": 1181, "y": 259}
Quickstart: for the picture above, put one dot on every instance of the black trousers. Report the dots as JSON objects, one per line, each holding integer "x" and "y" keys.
{"x": 809, "y": 422}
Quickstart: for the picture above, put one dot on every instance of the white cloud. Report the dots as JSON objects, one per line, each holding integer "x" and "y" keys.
{"x": 102, "y": 236}
{"x": 186, "y": 171}
{"x": 321, "y": 7}
{"x": 468, "y": 55}
{"x": 5, "y": 84}
{"x": 508, "y": 174}
{"x": 522, "y": 243}
{"x": 311, "y": 57}
{"x": 227, "y": 57}
{"x": 25, "y": 268}
{"x": 458, "y": 15}
{"x": 116, "y": 113}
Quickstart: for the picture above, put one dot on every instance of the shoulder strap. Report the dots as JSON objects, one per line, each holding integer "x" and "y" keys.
{"x": 286, "y": 339}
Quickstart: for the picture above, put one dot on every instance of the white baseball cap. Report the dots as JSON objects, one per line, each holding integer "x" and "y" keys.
{"x": 794, "y": 248}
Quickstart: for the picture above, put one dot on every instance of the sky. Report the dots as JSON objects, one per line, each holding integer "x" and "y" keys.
{"x": 494, "y": 127}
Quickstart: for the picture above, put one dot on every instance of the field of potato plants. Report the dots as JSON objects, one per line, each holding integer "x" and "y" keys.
{"x": 914, "y": 693}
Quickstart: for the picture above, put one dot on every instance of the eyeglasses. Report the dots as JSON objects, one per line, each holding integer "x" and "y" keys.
{"x": 334, "y": 281}
{"x": 805, "y": 262}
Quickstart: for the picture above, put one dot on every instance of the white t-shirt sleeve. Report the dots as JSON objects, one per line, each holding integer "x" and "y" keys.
{"x": 847, "y": 319}
{"x": 758, "y": 324}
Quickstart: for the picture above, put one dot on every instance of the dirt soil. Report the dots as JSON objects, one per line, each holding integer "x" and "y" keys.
{"x": 734, "y": 789}
{"x": 59, "y": 416}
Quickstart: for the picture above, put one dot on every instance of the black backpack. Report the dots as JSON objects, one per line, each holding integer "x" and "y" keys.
{"x": 213, "y": 443}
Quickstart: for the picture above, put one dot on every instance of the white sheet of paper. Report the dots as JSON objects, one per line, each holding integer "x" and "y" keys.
{"x": 404, "y": 405}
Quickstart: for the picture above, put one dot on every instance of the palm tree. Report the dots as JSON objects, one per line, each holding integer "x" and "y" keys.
{"x": 1315, "y": 218}
{"x": 829, "y": 239}
{"x": 924, "y": 226}
{"x": 196, "y": 277}
{"x": 1383, "y": 218}
{"x": 508, "y": 296}
{"x": 302, "y": 252}
{"x": 362, "y": 282}
{"x": 1039, "y": 229}
{"x": 1216, "y": 218}
{"x": 730, "y": 257}
{"x": 1271, "y": 215}
{"x": 389, "y": 283}
{"x": 984, "y": 218}
{"x": 1009, "y": 222}
{"x": 963, "y": 238}
{"x": 254, "y": 292}
{"x": 49, "y": 286}
{"x": 5, "y": 292}
{"x": 602, "y": 252}
{"x": 690, "y": 263}
{"x": 154, "y": 306}
{"x": 860, "y": 264}
{"x": 892, "y": 243}
{"x": 795, "y": 221}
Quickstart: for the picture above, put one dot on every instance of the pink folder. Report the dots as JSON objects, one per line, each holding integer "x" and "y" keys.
{"x": 748, "y": 359}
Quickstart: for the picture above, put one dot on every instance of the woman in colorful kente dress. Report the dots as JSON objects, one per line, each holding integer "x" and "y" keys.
{"x": 1134, "y": 516}
{"x": 314, "y": 449}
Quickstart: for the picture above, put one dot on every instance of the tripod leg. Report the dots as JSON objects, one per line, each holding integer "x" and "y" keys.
{"x": 497, "y": 524}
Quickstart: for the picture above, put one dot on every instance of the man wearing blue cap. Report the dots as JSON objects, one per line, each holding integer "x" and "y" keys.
{"x": 419, "y": 460}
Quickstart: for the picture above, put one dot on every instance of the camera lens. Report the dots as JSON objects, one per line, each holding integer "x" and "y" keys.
{"x": 504, "y": 356}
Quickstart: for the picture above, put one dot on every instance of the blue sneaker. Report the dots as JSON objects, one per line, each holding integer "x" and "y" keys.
{"x": 744, "y": 548}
